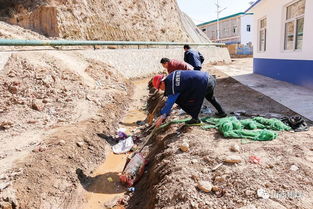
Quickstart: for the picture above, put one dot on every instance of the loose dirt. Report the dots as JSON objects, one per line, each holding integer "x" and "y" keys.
{"x": 284, "y": 171}
{"x": 72, "y": 161}
{"x": 51, "y": 112}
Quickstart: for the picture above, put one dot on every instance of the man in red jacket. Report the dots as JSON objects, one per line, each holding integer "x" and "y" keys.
{"x": 173, "y": 65}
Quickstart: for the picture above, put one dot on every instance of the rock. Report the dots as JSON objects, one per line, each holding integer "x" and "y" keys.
{"x": 4, "y": 186}
{"x": 205, "y": 170}
{"x": 184, "y": 147}
{"x": 194, "y": 161}
{"x": 219, "y": 179}
{"x": 217, "y": 167}
{"x": 216, "y": 189}
{"x": 261, "y": 193}
{"x": 205, "y": 186}
{"x": 268, "y": 185}
{"x": 48, "y": 80}
{"x": 232, "y": 159}
{"x": 5, "y": 205}
{"x": 235, "y": 148}
{"x": 249, "y": 193}
{"x": 5, "y": 125}
{"x": 40, "y": 149}
{"x": 3, "y": 177}
{"x": 37, "y": 105}
{"x": 12, "y": 89}
{"x": 294, "y": 168}
{"x": 62, "y": 142}
{"x": 195, "y": 178}
{"x": 45, "y": 101}
{"x": 80, "y": 144}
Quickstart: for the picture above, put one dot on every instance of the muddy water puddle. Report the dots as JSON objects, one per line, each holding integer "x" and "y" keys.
{"x": 106, "y": 187}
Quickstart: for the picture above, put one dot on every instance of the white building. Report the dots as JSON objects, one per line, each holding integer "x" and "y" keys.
{"x": 282, "y": 39}
{"x": 234, "y": 29}
{"x": 246, "y": 28}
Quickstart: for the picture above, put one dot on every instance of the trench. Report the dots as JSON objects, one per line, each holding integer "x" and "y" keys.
{"x": 106, "y": 189}
{"x": 105, "y": 194}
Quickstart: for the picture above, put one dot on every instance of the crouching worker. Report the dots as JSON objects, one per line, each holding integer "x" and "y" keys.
{"x": 187, "y": 89}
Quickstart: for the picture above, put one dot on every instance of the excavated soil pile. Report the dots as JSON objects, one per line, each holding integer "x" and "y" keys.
{"x": 279, "y": 176}
{"x": 53, "y": 106}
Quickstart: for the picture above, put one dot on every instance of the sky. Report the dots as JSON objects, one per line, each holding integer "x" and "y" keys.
{"x": 205, "y": 10}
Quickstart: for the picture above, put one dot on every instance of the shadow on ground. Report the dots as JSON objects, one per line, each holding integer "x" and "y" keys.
{"x": 107, "y": 183}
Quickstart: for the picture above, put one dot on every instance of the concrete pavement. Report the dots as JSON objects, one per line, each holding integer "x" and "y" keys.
{"x": 296, "y": 98}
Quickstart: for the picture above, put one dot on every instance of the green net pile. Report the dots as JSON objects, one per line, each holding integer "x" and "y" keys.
{"x": 257, "y": 128}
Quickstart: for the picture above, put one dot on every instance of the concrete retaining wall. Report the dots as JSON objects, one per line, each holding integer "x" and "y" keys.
{"x": 135, "y": 63}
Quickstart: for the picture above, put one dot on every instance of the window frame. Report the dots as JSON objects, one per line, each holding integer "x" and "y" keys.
{"x": 248, "y": 28}
{"x": 259, "y": 35}
{"x": 294, "y": 20}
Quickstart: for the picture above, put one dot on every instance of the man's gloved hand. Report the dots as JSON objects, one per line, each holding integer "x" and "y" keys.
{"x": 159, "y": 121}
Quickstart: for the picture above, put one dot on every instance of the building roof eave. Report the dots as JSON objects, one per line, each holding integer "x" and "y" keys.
{"x": 224, "y": 18}
{"x": 253, "y": 5}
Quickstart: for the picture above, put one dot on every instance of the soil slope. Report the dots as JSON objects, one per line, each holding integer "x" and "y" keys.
{"x": 139, "y": 20}
{"x": 53, "y": 105}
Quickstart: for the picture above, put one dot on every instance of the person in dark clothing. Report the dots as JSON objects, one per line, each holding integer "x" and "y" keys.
{"x": 187, "y": 89}
{"x": 193, "y": 57}
{"x": 172, "y": 65}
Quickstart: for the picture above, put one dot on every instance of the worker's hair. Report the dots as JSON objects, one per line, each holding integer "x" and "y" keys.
{"x": 186, "y": 46}
{"x": 164, "y": 60}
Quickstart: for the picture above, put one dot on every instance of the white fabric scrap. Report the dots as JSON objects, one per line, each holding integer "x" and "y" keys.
{"x": 123, "y": 146}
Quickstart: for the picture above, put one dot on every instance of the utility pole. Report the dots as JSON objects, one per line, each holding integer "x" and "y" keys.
{"x": 218, "y": 11}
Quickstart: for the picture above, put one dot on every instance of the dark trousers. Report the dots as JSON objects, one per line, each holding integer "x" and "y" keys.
{"x": 210, "y": 94}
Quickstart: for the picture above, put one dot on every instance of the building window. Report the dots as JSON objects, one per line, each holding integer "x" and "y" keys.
{"x": 203, "y": 29}
{"x": 248, "y": 28}
{"x": 294, "y": 25}
{"x": 262, "y": 35}
{"x": 234, "y": 29}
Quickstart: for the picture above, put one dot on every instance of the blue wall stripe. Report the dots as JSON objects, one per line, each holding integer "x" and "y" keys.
{"x": 299, "y": 72}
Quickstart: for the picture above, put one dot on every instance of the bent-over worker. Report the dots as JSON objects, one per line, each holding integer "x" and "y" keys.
{"x": 187, "y": 89}
{"x": 171, "y": 65}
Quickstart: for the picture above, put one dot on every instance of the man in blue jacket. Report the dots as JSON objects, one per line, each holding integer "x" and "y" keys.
{"x": 187, "y": 89}
{"x": 194, "y": 58}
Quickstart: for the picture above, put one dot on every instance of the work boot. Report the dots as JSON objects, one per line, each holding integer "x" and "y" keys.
{"x": 193, "y": 121}
{"x": 220, "y": 114}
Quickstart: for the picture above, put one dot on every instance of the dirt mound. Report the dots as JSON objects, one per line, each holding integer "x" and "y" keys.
{"x": 54, "y": 104}
{"x": 174, "y": 176}
{"x": 102, "y": 20}
{"x": 200, "y": 178}
{"x": 42, "y": 94}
